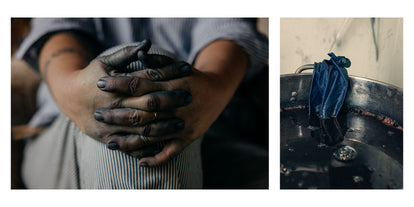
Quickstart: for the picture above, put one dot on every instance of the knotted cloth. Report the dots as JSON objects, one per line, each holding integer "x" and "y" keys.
{"x": 328, "y": 87}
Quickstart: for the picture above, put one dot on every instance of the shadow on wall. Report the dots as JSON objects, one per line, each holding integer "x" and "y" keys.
{"x": 374, "y": 45}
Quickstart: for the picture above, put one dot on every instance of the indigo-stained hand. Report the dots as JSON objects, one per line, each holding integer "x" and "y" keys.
{"x": 127, "y": 100}
{"x": 182, "y": 118}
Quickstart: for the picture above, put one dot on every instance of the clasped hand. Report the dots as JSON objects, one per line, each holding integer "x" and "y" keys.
{"x": 155, "y": 113}
{"x": 136, "y": 112}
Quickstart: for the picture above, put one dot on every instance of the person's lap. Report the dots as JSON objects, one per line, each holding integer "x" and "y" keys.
{"x": 64, "y": 157}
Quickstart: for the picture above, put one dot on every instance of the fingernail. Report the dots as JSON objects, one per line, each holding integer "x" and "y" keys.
{"x": 185, "y": 68}
{"x": 179, "y": 125}
{"x": 143, "y": 164}
{"x": 113, "y": 145}
{"x": 146, "y": 45}
{"x": 101, "y": 83}
{"x": 155, "y": 75}
{"x": 98, "y": 116}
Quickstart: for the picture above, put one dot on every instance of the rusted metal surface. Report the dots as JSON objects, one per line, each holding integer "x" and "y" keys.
{"x": 372, "y": 122}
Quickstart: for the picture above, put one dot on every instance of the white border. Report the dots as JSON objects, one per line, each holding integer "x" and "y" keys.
{"x": 212, "y": 8}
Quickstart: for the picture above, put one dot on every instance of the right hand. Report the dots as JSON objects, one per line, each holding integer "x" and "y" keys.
{"x": 84, "y": 97}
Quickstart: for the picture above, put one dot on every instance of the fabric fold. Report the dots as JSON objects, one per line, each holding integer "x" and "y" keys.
{"x": 328, "y": 87}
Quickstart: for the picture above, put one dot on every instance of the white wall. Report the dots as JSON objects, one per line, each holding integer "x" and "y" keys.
{"x": 308, "y": 40}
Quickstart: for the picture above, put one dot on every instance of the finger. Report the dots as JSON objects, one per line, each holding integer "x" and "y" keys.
{"x": 159, "y": 101}
{"x": 171, "y": 149}
{"x": 128, "y": 116}
{"x": 130, "y": 85}
{"x": 145, "y": 152}
{"x": 132, "y": 142}
{"x": 153, "y": 60}
{"x": 122, "y": 58}
{"x": 155, "y": 129}
{"x": 168, "y": 72}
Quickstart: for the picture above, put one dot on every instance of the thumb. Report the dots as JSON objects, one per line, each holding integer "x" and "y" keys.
{"x": 173, "y": 148}
{"x": 121, "y": 58}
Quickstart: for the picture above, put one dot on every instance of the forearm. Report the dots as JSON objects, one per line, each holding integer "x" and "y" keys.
{"x": 61, "y": 57}
{"x": 226, "y": 63}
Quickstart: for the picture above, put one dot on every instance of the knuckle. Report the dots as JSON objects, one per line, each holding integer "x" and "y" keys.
{"x": 109, "y": 115}
{"x": 133, "y": 85}
{"x": 154, "y": 75}
{"x": 135, "y": 118}
{"x": 103, "y": 62}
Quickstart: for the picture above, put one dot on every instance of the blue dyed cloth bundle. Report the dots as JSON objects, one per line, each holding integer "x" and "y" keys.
{"x": 328, "y": 87}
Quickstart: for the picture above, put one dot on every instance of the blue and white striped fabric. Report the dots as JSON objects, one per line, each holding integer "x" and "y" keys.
{"x": 65, "y": 158}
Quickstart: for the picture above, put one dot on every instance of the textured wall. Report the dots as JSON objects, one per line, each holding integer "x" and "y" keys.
{"x": 308, "y": 40}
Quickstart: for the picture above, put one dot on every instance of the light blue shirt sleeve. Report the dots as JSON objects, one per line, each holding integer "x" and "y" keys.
{"x": 41, "y": 28}
{"x": 242, "y": 31}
